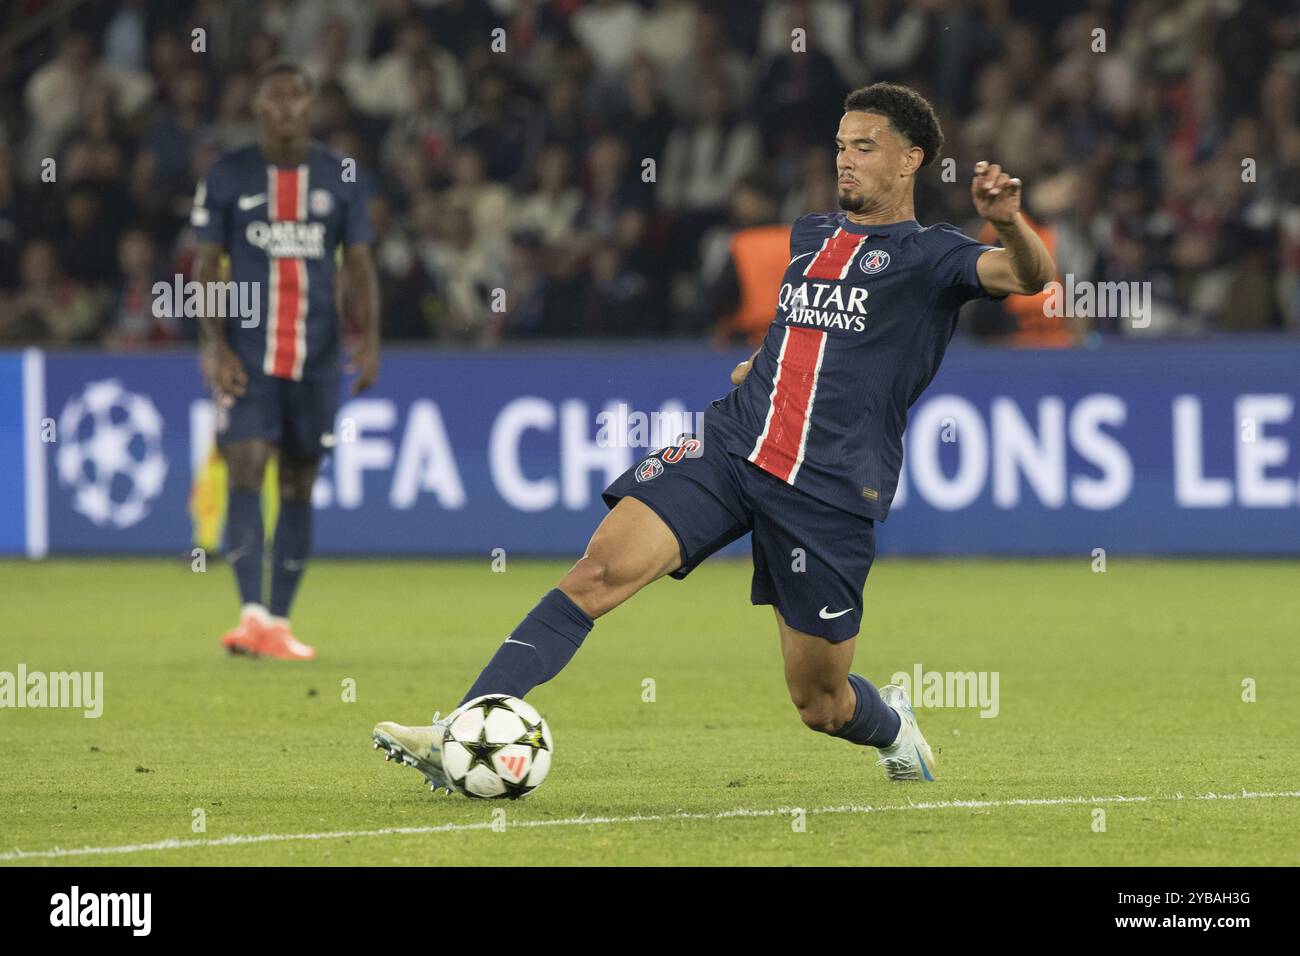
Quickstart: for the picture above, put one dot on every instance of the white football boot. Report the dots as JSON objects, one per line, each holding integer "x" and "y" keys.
{"x": 909, "y": 757}
{"x": 418, "y": 747}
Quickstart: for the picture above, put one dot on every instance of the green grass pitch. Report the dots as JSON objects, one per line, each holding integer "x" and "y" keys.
{"x": 1123, "y": 684}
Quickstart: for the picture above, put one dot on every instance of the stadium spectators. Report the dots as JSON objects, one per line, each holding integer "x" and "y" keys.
{"x": 511, "y": 195}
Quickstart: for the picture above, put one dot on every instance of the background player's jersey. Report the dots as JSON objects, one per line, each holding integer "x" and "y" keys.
{"x": 863, "y": 317}
{"x": 281, "y": 226}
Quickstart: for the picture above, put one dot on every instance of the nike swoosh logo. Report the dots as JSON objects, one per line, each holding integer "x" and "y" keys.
{"x": 925, "y": 771}
{"x": 520, "y": 643}
{"x": 826, "y": 617}
{"x": 251, "y": 202}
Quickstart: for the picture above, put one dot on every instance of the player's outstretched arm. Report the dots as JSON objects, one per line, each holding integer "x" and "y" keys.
{"x": 360, "y": 295}
{"x": 1023, "y": 265}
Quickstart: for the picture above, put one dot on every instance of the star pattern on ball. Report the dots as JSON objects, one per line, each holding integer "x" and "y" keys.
{"x": 515, "y": 790}
{"x": 481, "y": 751}
{"x": 532, "y": 736}
{"x": 495, "y": 703}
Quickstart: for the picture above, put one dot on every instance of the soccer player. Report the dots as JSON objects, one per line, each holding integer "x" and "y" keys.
{"x": 805, "y": 451}
{"x": 280, "y": 208}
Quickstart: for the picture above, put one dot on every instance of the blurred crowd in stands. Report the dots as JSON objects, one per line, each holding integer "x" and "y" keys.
{"x": 1158, "y": 140}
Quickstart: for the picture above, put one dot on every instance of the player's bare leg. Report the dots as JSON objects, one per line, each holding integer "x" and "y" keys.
{"x": 631, "y": 548}
{"x": 289, "y": 555}
{"x": 245, "y": 542}
{"x": 832, "y": 700}
{"x": 817, "y": 676}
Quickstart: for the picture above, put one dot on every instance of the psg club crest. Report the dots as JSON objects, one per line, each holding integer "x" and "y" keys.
{"x": 321, "y": 202}
{"x": 874, "y": 261}
{"x": 650, "y": 468}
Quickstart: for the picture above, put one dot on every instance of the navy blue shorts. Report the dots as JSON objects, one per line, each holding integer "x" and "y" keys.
{"x": 295, "y": 417}
{"x": 810, "y": 559}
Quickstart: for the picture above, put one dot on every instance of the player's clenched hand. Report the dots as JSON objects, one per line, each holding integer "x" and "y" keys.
{"x": 364, "y": 364}
{"x": 995, "y": 194}
{"x": 740, "y": 371}
{"x": 225, "y": 373}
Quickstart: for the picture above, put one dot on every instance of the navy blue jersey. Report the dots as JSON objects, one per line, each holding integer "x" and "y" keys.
{"x": 862, "y": 321}
{"x": 282, "y": 226}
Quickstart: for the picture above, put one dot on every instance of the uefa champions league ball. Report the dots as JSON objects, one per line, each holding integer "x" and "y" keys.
{"x": 496, "y": 746}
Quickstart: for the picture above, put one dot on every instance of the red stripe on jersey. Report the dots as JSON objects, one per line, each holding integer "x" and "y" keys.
{"x": 286, "y": 195}
{"x": 832, "y": 259}
{"x": 287, "y": 275}
{"x": 780, "y": 448}
{"x": 285, "y": 340}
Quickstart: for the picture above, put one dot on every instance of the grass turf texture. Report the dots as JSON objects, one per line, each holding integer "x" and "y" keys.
{"x": 1127, "y": 683}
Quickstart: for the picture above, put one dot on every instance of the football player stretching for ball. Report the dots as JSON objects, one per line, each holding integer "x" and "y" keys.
{"x": 805, "y": 451}
{"x": 281, "y": 208}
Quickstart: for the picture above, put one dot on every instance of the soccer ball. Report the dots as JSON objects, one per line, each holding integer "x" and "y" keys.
{"x": 496, "y": 746}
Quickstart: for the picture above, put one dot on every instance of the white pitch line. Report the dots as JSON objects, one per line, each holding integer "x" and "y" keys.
{"x": 585, "y": 820}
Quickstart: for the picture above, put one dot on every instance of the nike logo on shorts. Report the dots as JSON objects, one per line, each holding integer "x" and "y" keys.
{"x": 826, "y": 617}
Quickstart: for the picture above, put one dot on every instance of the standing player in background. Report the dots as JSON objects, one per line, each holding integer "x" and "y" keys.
{"x": 805, "y": 451}
{"x": 281, "y": 208}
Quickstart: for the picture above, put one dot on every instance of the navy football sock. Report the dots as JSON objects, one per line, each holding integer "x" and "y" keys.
{"x": 244, "y": 545}
{"x": 289, "y": 554}
{"x": 874, "y": 722}
{"x": 536, "y": 650}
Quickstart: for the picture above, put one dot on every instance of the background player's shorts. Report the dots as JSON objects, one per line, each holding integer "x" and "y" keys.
{"x": 296, "y": 417}
{"x": 810, "y": 559}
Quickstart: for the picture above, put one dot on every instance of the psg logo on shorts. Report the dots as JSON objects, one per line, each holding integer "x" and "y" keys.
{"x": 650, "y": 468}
{"x": 874, "y": 261}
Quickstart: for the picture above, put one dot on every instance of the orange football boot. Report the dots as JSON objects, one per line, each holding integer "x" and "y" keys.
{"x": 277, "y": 641}
{"x": 245, "y": 638}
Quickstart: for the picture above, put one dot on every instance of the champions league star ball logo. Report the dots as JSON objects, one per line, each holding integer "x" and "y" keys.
{"x": 874, "y": 261}
{"x": 110, "y": 454}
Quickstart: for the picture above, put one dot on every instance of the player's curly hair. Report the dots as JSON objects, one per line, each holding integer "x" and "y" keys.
{"x": 909, "y": 113}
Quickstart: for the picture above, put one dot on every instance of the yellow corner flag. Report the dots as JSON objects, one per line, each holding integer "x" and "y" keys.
{"x": 208, "y": 500}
